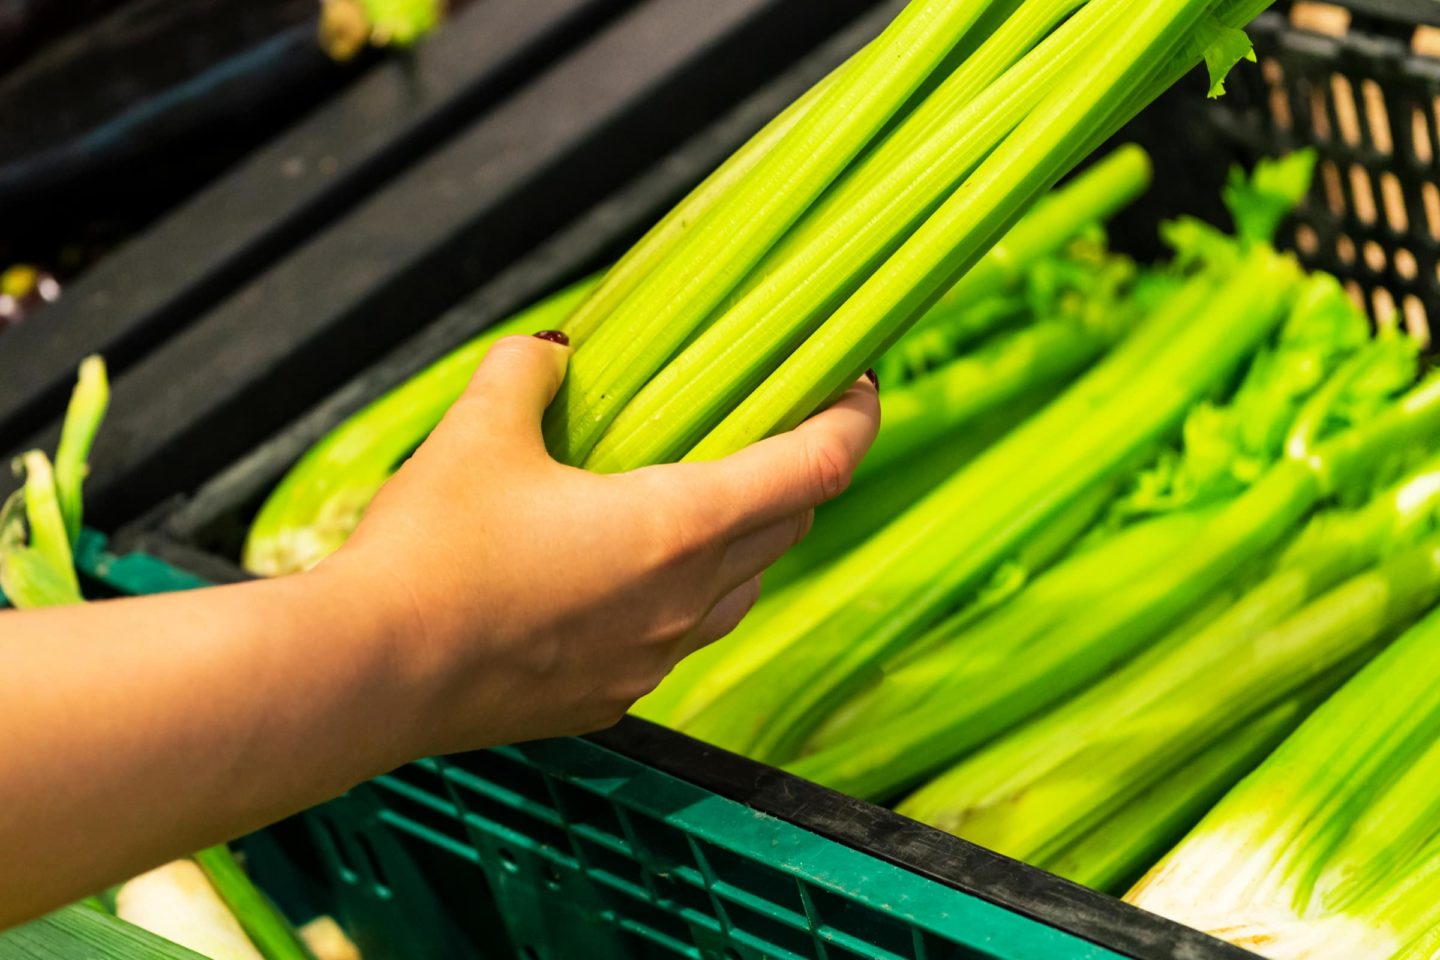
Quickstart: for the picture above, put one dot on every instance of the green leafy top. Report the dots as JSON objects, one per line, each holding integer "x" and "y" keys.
{"x": 40, "y": 523}
{"x": 1083, "y": 283}
{"x": 1231, "y": 45}
{"x": 1258, "y": 203}
{"x": 1358, "y": 390}
{"x": 1227, "y": 446}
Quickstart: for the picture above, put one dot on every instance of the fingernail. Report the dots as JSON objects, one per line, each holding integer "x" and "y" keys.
{"x": 874, "y": 380}
{"x": 554, "y": 336}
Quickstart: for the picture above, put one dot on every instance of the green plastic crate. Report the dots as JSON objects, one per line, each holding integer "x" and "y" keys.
{"x": 571, "y": 848}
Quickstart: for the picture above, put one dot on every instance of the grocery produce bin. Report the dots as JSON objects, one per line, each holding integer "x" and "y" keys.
{"x": 639, "y": 842}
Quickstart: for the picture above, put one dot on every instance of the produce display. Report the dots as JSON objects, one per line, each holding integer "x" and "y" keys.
{"x": 1140, "y": 583}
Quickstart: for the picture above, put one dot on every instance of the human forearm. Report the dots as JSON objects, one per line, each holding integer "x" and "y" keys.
{"x": 138, "y": 730}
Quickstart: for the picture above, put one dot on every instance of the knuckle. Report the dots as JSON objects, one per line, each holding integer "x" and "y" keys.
{"x": 829, "y": 469}
{"x": 680, "y": 624}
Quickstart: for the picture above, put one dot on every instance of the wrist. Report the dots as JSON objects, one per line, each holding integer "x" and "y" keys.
{"x": 381, "y": 641}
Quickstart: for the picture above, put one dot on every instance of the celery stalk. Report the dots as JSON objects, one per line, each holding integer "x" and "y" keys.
{"x": 627, "y": 273}
{"x": 82, "y": 421}
{"x": 1116, "y": 853}
{"x": 266, "y": 926}
{"x": 933, "y": 122}
{"x": 967, "y": 654}
{"x": 45, "y": 520}
{"x": 1086, "y": 106}
{"x": 1094, "y": 195}
{"x": 924, "y": 412}
{"x": 876, "y": 498}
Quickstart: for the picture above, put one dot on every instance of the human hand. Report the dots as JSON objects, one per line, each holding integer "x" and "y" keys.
{"x": 535, "y": 599}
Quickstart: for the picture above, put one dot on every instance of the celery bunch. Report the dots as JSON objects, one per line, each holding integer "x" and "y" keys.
{"x": 1329, "y": 849}
{"x": 1233, "y": 493}
{"x": 1341, "y": 588}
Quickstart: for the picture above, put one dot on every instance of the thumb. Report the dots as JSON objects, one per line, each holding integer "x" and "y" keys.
{"x": 516, "y": 382}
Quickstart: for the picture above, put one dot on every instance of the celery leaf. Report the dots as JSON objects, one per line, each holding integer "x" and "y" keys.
{"x": 1258, "y": 203}
{"x": 1231, "y": 45}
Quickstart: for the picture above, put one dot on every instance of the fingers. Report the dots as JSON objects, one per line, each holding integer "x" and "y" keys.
{"x": 724, "y": 617}
{"x": 787, "y": 475}
{"x": 516, "y": 382}
{"x": 753, "y": 553}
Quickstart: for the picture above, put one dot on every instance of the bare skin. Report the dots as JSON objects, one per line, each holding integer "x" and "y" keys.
{"x": 491, "y": 595}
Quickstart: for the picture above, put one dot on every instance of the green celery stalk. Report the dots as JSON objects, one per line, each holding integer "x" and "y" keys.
{"x": 627, "y": 273}
{"x": 82, "y": 421}
{"x": 1111, "y": 857}
{"x": 964, "y": 653}
{"x": 938, "y": 421}
{"x": 1010, "y": 31}
{"x": 924, "y": 412}
{"x": 1041, "y": 789}
{"x": 714, "y": 255}
{"x": 882, "y": 595}
{"x": 1091, "y": 197}
{"x": 36, "y": 565}
{"x": 263, "y": 923}
{"x": 1330, "y": 849}
{"x": 314, "y": 509}
{"x": 877, "y": 498}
